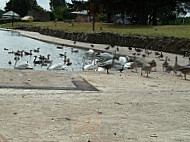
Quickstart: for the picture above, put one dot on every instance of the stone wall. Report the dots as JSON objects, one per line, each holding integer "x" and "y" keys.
{"x": 166, "y": 44}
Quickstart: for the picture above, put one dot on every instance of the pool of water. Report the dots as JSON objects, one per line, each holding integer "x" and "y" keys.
{"x": 12, "y": 41}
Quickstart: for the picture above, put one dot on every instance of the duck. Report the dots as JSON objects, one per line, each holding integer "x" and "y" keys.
{"x": 108, "y": 66}
{"x": 6, "y": 49}
{"x": 165, "y": 64}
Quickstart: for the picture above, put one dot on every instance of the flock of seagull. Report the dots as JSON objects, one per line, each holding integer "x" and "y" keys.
{"x": 104, "y": 61}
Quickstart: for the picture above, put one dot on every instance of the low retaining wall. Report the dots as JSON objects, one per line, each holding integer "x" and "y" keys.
{"x": 166, "y": 44}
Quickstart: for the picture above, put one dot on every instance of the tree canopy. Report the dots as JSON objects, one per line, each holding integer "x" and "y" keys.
{"x": 22, "y": 6}
{"x": 141, "y": 11}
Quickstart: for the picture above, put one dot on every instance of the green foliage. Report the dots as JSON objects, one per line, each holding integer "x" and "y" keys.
{"x": 54, "y": 4}
{"x": 1, "y": 13}
{"x": 103, "y": 17}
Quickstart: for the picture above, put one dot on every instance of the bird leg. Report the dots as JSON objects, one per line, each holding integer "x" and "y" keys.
{"x": 107, "y": 71}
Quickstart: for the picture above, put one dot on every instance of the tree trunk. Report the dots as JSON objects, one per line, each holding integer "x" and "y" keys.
{"x": 142, "y": 18}
{"x": 154, "y": 19}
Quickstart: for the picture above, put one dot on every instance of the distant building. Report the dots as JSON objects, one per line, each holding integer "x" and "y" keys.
{"x": 82, "y": 16}
{"x": 40, "y": 15}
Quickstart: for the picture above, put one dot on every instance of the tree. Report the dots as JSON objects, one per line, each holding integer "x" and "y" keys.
{"x": 58, "y": 7}
{"x": 57, "y": 4}
{"x": 1, "y": 13}
{"x": 22, "y": 6}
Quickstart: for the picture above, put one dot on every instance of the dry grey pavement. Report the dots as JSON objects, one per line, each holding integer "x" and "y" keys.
{"x": 47, "y": 106}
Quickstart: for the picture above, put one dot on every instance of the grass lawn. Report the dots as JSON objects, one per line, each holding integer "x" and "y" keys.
{"x": 182, "y": 31}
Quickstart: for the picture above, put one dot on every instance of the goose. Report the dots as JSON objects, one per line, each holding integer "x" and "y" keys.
{"x": 147, "y": 68}
{"x": 74, "y": 50}
{"x": 153, "y": 64}
{"x": 63, "y": 54}
{"x": 37, "y": 62}
{"x": 58, "y": 66}
{"x": 18, "y": 53}
{"x": 68, "y": 62}
{"x": 161, "y": 55}
{"x": 169, "y": 68}
{"x": 28, "y": 53}
{"x": 37, "y": 50}
{"x": 185, "y": 70}
{"x": 108, "y": 66}
{"x": 165, "y": 64}
{"x": 176, "y": 66}
{"x": 47, "y": 60}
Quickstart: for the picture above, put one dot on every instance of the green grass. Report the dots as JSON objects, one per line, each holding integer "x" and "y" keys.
{"x": 181, "y": 31}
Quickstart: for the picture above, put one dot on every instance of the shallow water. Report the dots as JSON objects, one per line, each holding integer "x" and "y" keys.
{"x": 13, "y": 42}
